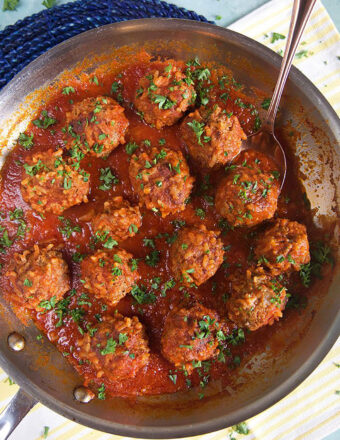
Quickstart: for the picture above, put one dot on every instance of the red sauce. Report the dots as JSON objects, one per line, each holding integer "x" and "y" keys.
{"x": 154, "y": 379}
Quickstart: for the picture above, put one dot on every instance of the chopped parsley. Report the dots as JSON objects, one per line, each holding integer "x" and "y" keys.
{"x": 131, "y": 147}
{"x": 45, "y": 122}
{"x": 198, "y": 129}
{"x": 276, "y": 36}
{"x": 26, "y": 140}
{"x": 266, "y": 103}
{"x": 241, "y": 428}
{"x": 200, "y": 213}
{"x": 142, "y": 296}
{"x": 101, "y": 392}
{"x": 48, "y": 304}
{"x": 10, "y": 5}
{"x": 67, "y": 90}
{"x": 68, "y": 228}
{"x": 321, "y": 254}
{"x": 110, "y": 347}
{"x": 108, "y": 179}
{"x": 173, "y": 378}
{"x": 163, "y": 102}
{"x": 152, "y": 259}
{"x": 46, "y": 428}
{"x": 48, "y": 4}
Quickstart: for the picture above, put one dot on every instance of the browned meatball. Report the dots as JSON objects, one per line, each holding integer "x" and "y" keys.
{"x": 109, "y": 275}
{"x": 118, "y": 349}
{"x": 119, "y": 219}
{"x": 52, "y": 185}
{"x": 96, "y": 125}
{"x": 161, "y": 179}
{"x": 256, "y": 299}
{"x": 39, "y": 278}
{"x": 212, "y": 137}
{"x": 189, "y": 335}
{"x": 163, "y": 95}
{"x": 283, "y": 247}
{"x": 196, "y": 255}
{"x": 248, "y": 194}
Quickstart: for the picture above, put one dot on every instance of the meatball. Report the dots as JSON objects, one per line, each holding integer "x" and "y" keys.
{"x": 161, "y": 179}
{"x": 118, "y": 350}
{"x": 51, "y": 184}
{"x": 256, "y": 299}
{"x": 96, "y": 125}
{"x": 38, "y": 276}
{"x": 248, "y": 194}
{"x": 119, "y": 219}
{"x": 283, "y": 247}
{"x": 163, "y": 96}
{"x": 189, "y": 335}
{"x": 109, "y": 275}
{"x": 196, "y": 255}
{"x": 212, "y": 137}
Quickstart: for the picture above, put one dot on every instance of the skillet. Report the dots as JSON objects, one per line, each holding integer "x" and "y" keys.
{"x": 43, "y": 374}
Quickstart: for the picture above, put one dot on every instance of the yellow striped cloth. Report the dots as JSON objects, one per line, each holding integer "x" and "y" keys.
{"x": 312, "y": 411}
{"x": 318, "y": 55}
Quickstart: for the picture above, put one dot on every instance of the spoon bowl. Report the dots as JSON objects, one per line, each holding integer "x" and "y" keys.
{"x": 265, "y": 139}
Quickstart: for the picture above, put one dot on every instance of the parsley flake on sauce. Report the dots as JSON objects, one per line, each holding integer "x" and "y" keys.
{"x": 108, "y": 179}
{"x": 26, "y": 140}
{"x": 45, "y": 120}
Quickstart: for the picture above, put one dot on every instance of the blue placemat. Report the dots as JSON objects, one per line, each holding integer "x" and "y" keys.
{"x": 24, "y": 41}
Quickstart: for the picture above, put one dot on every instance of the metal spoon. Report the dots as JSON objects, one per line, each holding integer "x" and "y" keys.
{"x": 265, "y": 140}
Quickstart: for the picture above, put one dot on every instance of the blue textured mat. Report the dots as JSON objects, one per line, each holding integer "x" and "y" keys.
{"x": 24, "y": 41}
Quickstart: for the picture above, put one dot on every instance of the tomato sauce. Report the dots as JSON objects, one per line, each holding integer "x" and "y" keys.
{"x": 155, "y": 378}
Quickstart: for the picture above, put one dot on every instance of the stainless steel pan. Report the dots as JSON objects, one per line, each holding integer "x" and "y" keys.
{"x": 45, "y": 376}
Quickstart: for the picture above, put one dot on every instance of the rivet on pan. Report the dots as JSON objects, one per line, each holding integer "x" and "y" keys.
{"x": 83, "y": 394}
{"x": 16, "y": 341}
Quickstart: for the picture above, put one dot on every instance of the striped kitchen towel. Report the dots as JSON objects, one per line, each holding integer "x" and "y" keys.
{"x": 312, "y": 411}
{"x": 318, "y": 55}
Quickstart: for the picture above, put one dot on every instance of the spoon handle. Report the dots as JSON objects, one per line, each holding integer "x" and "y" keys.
{"x": 300, "y": 15}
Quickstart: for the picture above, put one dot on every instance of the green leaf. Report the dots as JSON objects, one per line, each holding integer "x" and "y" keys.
{"x": 266, "y": 103}
{"x": 131, "y": 147}
{"x": 45, "y": 122}
{"x": 110, "y": 347}
{"x": 45, "y": 433}
{"x": 108, "y": 179}
{"x": 26, "y": 140}
{"x": 67, "y": 90}
{"x": 10, "y": 5}
{"x": 198, "y": 129}
{"x": 101, "y": 392}
{"x": 241, "y": 428}
{"x": 276, "y": 36}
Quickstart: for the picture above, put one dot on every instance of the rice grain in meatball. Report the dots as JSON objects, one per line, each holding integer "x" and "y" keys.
{"x": 118, "y": 350}
{"x": 118, "y": 220}
{"x": 256, "y": 299}
{"x": 37, "y": 276}
{"x": 283, "y": 247}
{"x": 212, "y": 136}
{"x": 161, "y": 179}
{"x": 52, "y": 185}
{"x": 163, "y": 96}
{"x": 196, "y": 255}
{"x": 248, "y": 194}
{"x": 189, "y": 335}
{"x": 96, "y": 126}
{"x": 109, "y": 275}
